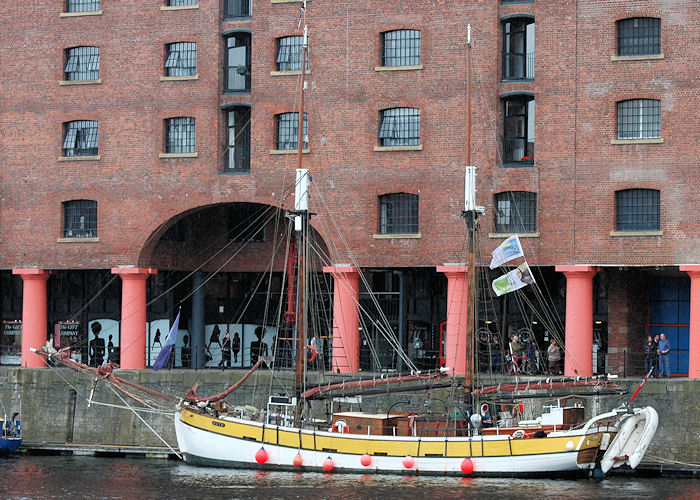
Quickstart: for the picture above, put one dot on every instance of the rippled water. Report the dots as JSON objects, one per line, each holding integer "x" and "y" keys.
{"x": 25, "y": 476}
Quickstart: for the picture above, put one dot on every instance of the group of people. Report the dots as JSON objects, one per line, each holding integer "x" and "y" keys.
{"x": 524, "y": 357}
{"x": 657, "y": 356}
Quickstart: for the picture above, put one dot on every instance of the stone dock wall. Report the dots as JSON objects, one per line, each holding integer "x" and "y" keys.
{"x": 54, "y": 404}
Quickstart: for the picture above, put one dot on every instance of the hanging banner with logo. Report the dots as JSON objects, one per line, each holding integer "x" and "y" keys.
{"x": 508, "y": 250}
{"x": 514, "y": 280}
{"x": 11, "y": 342}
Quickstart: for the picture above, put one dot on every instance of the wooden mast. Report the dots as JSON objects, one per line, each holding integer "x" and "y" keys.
{"x": 300, "y": 226}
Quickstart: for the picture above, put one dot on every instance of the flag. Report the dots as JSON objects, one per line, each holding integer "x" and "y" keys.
{"x": 514, "y": 280}
{"x": 164, "y": 353}
{"x": 508, "y": 250}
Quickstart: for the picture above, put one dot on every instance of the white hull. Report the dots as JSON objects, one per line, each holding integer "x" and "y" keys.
{"x": 558, "y": 453}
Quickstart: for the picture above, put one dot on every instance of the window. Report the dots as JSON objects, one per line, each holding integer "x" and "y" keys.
{"x": 638, "y": 210}
{"x": 238, "y": 154}
{"x": 181, "y": 3}
{"x": 246, "y": 222}
{"x": 82, "y": 5}
{"x": 80, "y": 219}
{"x": 399, "y": 127}
{"x": 401, "y": 48}
{"x": 639, "y": 119}
{"x": 80, "y": 138}
{"x": 519, "y": 49}
{"x": 181, "y": 59}
{"x": 398, "y": 213}
{"x": 516, "y": 212}
{"x": 82, "y": 64}
{"x": 288, "y": 131}
{"x": 519, "y": 129}
{"x": 639, "y": 36}
{"x": 238, "y": 62}
{"x": 289, "y": 54}
{"x": 179, "y": 135}
{"x": 237, "y": 8}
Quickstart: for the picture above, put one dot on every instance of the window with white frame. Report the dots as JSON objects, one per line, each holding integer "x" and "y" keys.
{"x": 519, "y": 128}
{"x": 519, "y": 48}
{"x": 238, "y": 148}
{"x": 238, "y": 62}
{"x": 80, "y": 138}
{"x": 180, "y": 135}
{"x": 82, "y": 64}
{"x": 181, "y": 59}
{"x": 237, "y": 8}
{"x": 639, "y": 119}
{"x": 399, "y": 127}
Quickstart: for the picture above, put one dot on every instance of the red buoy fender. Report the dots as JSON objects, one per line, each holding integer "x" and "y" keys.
{"x": 312, "y": 354}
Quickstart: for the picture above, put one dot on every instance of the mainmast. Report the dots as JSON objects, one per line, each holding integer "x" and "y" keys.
{"x": 301, "y": 216}
{"x": 471, "y": 213}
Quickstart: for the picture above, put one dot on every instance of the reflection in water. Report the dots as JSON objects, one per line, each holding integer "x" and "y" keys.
{"x": 91, "y": 477}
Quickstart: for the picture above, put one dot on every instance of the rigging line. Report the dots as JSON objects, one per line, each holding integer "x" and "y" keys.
{"x": 142, "y": 410}
{"x": 146, "y": 423}
{"x": 99, "y": 292}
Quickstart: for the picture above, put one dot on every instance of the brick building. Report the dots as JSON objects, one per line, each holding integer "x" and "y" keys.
{"x": 135, "y": 136}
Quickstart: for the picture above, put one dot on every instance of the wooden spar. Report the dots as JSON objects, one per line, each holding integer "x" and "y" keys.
{"x": 194, "y": 398}
{"x": 370, "y": 383}
{"x": 105, "y": 372}
{"x": 543, "y": 385}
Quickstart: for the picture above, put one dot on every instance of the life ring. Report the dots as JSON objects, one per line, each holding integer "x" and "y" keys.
{"x": 341, "y": 426}
{"x": 313, "y": 354}
{"x": 519, "y": 434}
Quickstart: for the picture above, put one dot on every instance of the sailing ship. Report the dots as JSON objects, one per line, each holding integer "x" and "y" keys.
{"x": 486, "y": 437}
{"x": 10, "y": 433}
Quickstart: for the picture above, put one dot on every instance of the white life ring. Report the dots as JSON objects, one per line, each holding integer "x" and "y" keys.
{"x": 341, "y": 427}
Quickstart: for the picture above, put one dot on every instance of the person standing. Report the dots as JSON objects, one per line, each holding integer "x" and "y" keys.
{"x": 656, "y": 355}
{"x": 235, "y": 346}
{"x": 649, "y": 356}
{"x": 664, "y": 356}
{"x": 226, "y": 351}
{"x": 553, "y": 357}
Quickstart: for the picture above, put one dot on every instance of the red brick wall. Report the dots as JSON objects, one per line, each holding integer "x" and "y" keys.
{"x": 576, "y": 86}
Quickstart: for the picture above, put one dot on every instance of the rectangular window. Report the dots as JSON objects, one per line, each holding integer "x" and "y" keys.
{"x": 638, "y": 210}
{"x": 516, "y": 212}
{"x": 289, "y": 54}
{"x": 639, "y": 119}
{"x": 82, "y": 5}
{"x": 399, "y": 127}
{"x": 179, "y": 135}
{"x": 519, "y": 49}
{"x": 288, "y": 131}
{"x": 398, "y": 213}
{"x": 639, "y": 36}
{"x": 237, "y": 8}
{"x": 181, "y": 3}
{"x": 181, "y": 59}
{"x": 238, "y": 62}
{"x": 82, "y": 64}
{"x": 80, "y": 219}
{"x": 401, "y": 48}
{"x": 238, "y": 154}
{"x": 519, "y": 129}
{"x": 80, "y": 138}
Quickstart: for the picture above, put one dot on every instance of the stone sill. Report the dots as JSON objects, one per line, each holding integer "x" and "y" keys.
{"x": 288, "y": 151}
{"x": 79, "y": 82}
{"x": 178, "y": 78}
{"x": 287, "y": 1}
{"x": 398, "y": 68}
{"x": 649, "y": 57}
{"x": 636, "y": 141}
{"x": 179, "y": 7}
{"x": 167, "y": 156}
{"x": 636, "y": 233}
{"x": 397, "y": 236}
{"x": 77, "y": 240}
{"x": 79, "y": 158}
{"x": 520, "y": 235}
{"x": 289, "y": 73}
{"x": 78, "y": 14}
{"x": 398, "y": 148}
